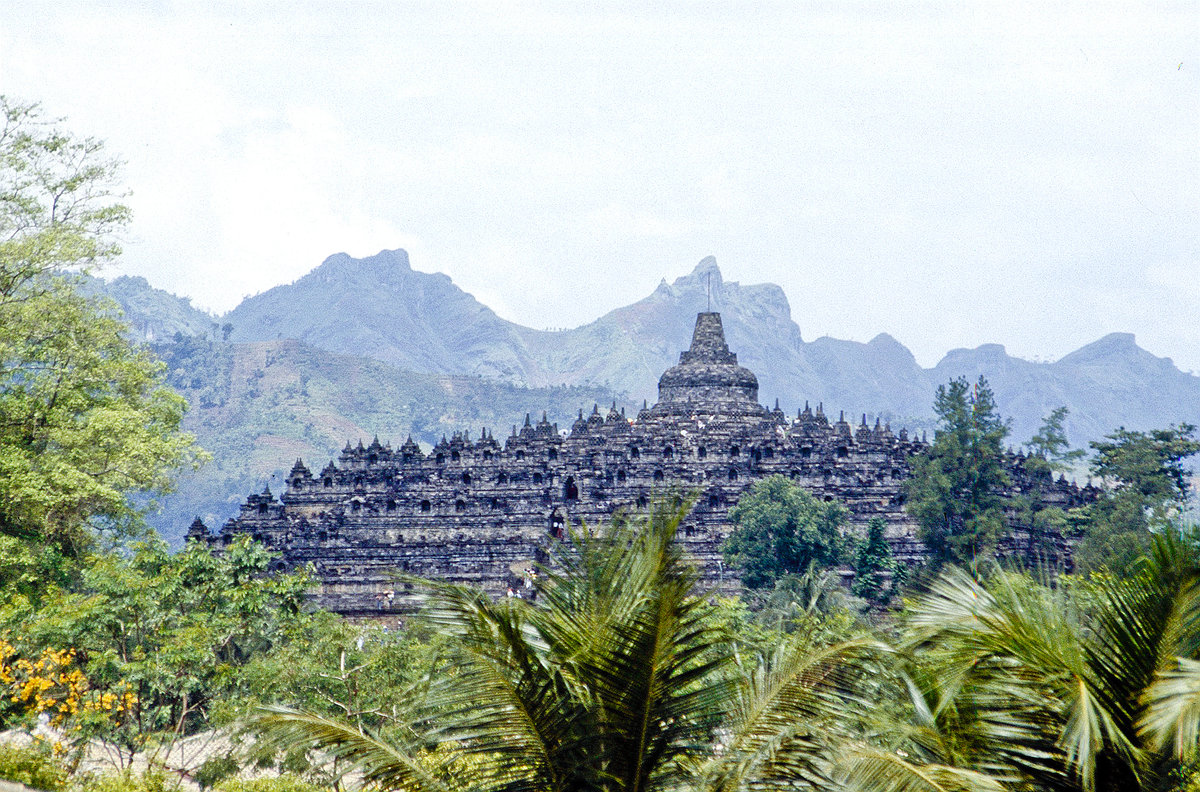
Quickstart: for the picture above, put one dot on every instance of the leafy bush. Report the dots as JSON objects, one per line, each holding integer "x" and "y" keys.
{"x": 34, "y": 765}
{"x": 284, "y": 783}
{"x": 128, "y": 781}
{"x": 781, "y": 529}
{"x": 214, "y": 770}
{"x": 138, "y": 650}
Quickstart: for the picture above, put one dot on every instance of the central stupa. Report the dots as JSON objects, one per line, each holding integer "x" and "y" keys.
{"x": 708, "y": 379}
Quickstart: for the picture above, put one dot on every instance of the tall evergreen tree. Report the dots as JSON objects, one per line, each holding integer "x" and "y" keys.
{"x": 955, "y": 492}
{"x": 1050, "y": 444}
{"x": 877, "y": 576}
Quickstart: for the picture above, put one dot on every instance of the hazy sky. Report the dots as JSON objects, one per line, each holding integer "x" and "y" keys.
{"x": 951, "y": 173}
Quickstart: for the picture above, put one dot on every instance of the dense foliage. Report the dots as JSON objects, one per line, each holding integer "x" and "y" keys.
{"x": 149, "y": 647}
{"x": 1147, "y": 485}
{"x": 141, "y": 645}
{"x": 622, "y": 676}
{"x": 781, "y": 529}
{"x": 955, "y": 489}
{"x": 1092, "y": 685}
{"x": 878, "y": 577}
{"x": 85, "y": 417}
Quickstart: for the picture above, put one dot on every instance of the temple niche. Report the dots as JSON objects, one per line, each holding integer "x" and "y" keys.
{"x": 481, "y": 512}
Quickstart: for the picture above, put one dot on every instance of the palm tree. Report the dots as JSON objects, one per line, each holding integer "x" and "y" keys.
{"x": 613, "y": 680}
{"x": 619, "y": 678}
{"x": 1090, "y": 686}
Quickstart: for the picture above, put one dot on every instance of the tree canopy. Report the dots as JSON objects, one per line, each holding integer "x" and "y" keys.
{"x": 154, "y": 636}
{"x": 622, "y": 676}
{"x": 1090, "y": 685}
{"x": 1147, "y": 485}
{"x": 955, "y": 492}
{"x": 1050, "y": 443}
{"x": 86, "y": 419}
{"x": 877, "y": 575}
{"x": 1147, "y": 465}
{"x": 780, "y": 529}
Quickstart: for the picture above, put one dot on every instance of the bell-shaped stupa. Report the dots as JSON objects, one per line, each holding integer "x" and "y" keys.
{"x": 708, "y": 379}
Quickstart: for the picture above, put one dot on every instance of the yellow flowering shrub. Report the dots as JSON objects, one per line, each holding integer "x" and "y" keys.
{"x": 53, "y": 683}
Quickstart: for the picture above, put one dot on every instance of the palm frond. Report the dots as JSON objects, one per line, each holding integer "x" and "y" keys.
{"x": 792, "y": 711}
{"x": 1172, "y": 715}
{"x": 867, "y": 769}
{"x": 793, "y": 754}
{"x": 1143, "y": 624}
{"x": 520, "y": 729}
{"x": 623, "y": 616}
{"x": 1090, "y": 730}
{"x": 1010, "y": 686}
{"x": 497, "y": 698}
{"x": 390, "y": 766}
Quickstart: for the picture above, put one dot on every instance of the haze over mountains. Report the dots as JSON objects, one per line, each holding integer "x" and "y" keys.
{"x": 369, "y": 346}
{"x": 382, "y": 308}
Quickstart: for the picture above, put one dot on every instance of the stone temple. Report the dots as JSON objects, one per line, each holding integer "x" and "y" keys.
{"x": 482, "y": 512}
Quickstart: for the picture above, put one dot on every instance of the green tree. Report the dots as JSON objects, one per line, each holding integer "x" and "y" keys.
{"x": 781, "y": 529}
{"x": 85, "y": 417}
{"x": 333, "y": 668}
{"x": 1050, "y": 444}
{"x": 1148, "y": 465}
{"x": 1035, "y": 505}
{"x": 1147, "y": 484}
{"x": 956, "y": 489}
{"x": 163, "y": 634}
{"x": 877, "y": 575}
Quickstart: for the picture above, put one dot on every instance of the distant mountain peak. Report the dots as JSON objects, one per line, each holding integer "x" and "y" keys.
{"x": 387, "y": 268}
{"x": 137, "y": 282}
{"x": 886, "y": 341}
{"x": 704, "y": 272}
{"x": 704, "y": 282}
{"x": 383, "y": 261}
{"x": 1108, "y": 348}
{"x": 981, "y": 352}
{"x": 707, "y": 266}
{"x": 395, "y": 258}
{"x": 1118, "y": 340}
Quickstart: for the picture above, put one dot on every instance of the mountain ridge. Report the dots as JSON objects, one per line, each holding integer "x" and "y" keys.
{"x": 381, "y": 308}
{"x": 627, "y": 348}
{"x": 361, "y": 329}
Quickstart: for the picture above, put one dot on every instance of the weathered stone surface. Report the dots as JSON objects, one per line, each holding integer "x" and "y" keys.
{"x": 482, "y": 512}
{"x": 708, "y": 379}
